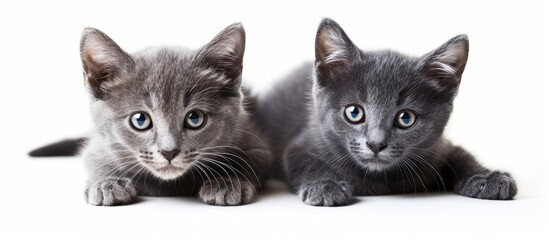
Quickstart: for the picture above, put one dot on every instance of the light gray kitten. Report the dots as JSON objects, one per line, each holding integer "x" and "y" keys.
{"x": 170, "y": 121}
{"x": 371, "y": 123}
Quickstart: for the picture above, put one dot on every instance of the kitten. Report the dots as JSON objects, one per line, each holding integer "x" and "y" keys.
{"x": 170, "y": 121}
{"x": 371, "y": 123}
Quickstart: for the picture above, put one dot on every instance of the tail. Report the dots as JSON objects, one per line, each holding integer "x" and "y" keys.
{"x": 68, "y": 147}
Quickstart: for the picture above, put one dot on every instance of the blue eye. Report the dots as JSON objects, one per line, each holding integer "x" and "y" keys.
{"x": 195, "y": 119}
{"x": 354, "y": 114}
{"x": 405, "y": 119}
{"x": 140, "y": 121}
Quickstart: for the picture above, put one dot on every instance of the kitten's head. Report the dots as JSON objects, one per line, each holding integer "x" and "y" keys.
{"x": 383, "y": 106}
{"x": 165, "y": 106}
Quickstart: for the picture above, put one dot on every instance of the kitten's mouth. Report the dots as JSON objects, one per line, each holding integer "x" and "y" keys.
{"x": 374, "y": 163}
{"x": 376, "y": 160}
{"x": 173, "y": 167}
{"x": 169, "y": 167}
{"x": 168, "y": 171}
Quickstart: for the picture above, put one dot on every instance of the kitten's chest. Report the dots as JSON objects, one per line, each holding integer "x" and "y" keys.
{"x": 372, "y": 187}
{"x": 386, "y": 183}
{"x": 187, "y": 185}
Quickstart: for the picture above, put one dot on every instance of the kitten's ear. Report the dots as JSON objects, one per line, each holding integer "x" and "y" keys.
{"x": 225, "y": 53}
{"x": 445, "y": 64}
{"x": 333, "y": 48}
{"x": 103, "y": 60}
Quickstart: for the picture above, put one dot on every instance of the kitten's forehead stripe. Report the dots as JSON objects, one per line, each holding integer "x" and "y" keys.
{"x": 401, "y": 97}
{"x": 148, "y": 100}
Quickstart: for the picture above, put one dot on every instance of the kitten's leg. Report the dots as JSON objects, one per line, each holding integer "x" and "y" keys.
{"x": 109, "y": 182}
{"x": 326, "y": 192}
{"x": 316, "y": 183}
{"x": 111, "y": 191}
{"x": 229, "y": 191}
{"x": 474, "y": 180}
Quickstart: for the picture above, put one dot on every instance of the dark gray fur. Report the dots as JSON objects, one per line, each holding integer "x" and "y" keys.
{"x": 324, "y": 157}
{"x": 223, "y": 162}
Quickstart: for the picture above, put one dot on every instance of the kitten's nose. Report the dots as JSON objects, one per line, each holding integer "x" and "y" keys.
{"x": 170, "y": 154}
{"x": 377, "y": 147}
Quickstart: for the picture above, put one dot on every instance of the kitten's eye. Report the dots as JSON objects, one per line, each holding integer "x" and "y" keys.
{"x": 140, "y": 121}
{"x": 405, "y": 119}
{"x": 195, "y": 119}
{"x": 354, "y": 114}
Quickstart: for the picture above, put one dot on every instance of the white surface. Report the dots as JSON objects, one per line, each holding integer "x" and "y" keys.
{"x": 500, "y": 114}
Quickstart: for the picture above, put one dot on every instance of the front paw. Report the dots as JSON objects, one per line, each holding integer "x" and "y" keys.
{"x": 226, "y": 192}
{"x": 111, "y": 192}
{"x": 493, "y": 185}
{"x": 326, "y": 192}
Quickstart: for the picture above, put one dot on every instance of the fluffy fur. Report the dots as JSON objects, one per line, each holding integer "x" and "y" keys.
{"x": 327, "y": 159}
{"x": 223, "y": 161}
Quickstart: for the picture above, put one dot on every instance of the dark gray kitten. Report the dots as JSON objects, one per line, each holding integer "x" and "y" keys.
{"x": 170, "y": 121}
{"x": 371, "y": 123}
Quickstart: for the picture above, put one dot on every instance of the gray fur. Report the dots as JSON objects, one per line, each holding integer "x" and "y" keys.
{"x": 222, "y": 159}
{"x": 325, "y": 158}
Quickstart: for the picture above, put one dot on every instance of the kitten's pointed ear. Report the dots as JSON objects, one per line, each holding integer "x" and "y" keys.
{"x": 445, "y": 64}
{"x": 103, "y": 60}
{"x": 333, "y": 48}
{"x": 225, "y": 53}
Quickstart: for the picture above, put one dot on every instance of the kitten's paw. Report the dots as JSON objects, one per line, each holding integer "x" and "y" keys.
{"x": 494, "y": 185}
{"x": 226, "y": 192}
{"x": 111, "y": 192}
{"x": 326, "y": 192}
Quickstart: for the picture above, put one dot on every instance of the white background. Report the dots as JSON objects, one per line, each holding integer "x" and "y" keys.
{"x": 501, "y": 114}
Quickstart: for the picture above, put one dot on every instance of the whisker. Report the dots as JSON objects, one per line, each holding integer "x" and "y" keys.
{"x": 213, "y": 176}
{"x": 406, "y": 161}
{"x": 439, "y": 157}
{"x": 112, "y": 171}
{"x": 233, "y": 169}
{"x": 425, "y": 162}
{"x": 209, "y": 180}
{"x": 228, "y": 176}
{"x": 222, "y": 155}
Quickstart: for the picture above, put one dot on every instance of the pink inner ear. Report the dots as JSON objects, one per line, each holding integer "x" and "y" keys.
{"x": 101, "y": 61}
{"x": 441, "y": 70}
{"x": 445, "y": 66}
{"x": 226, "y": 51}
{"x": 93, "y": 70}
{"x": 332, "y": 49}
{"x": 452, "y": 61}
